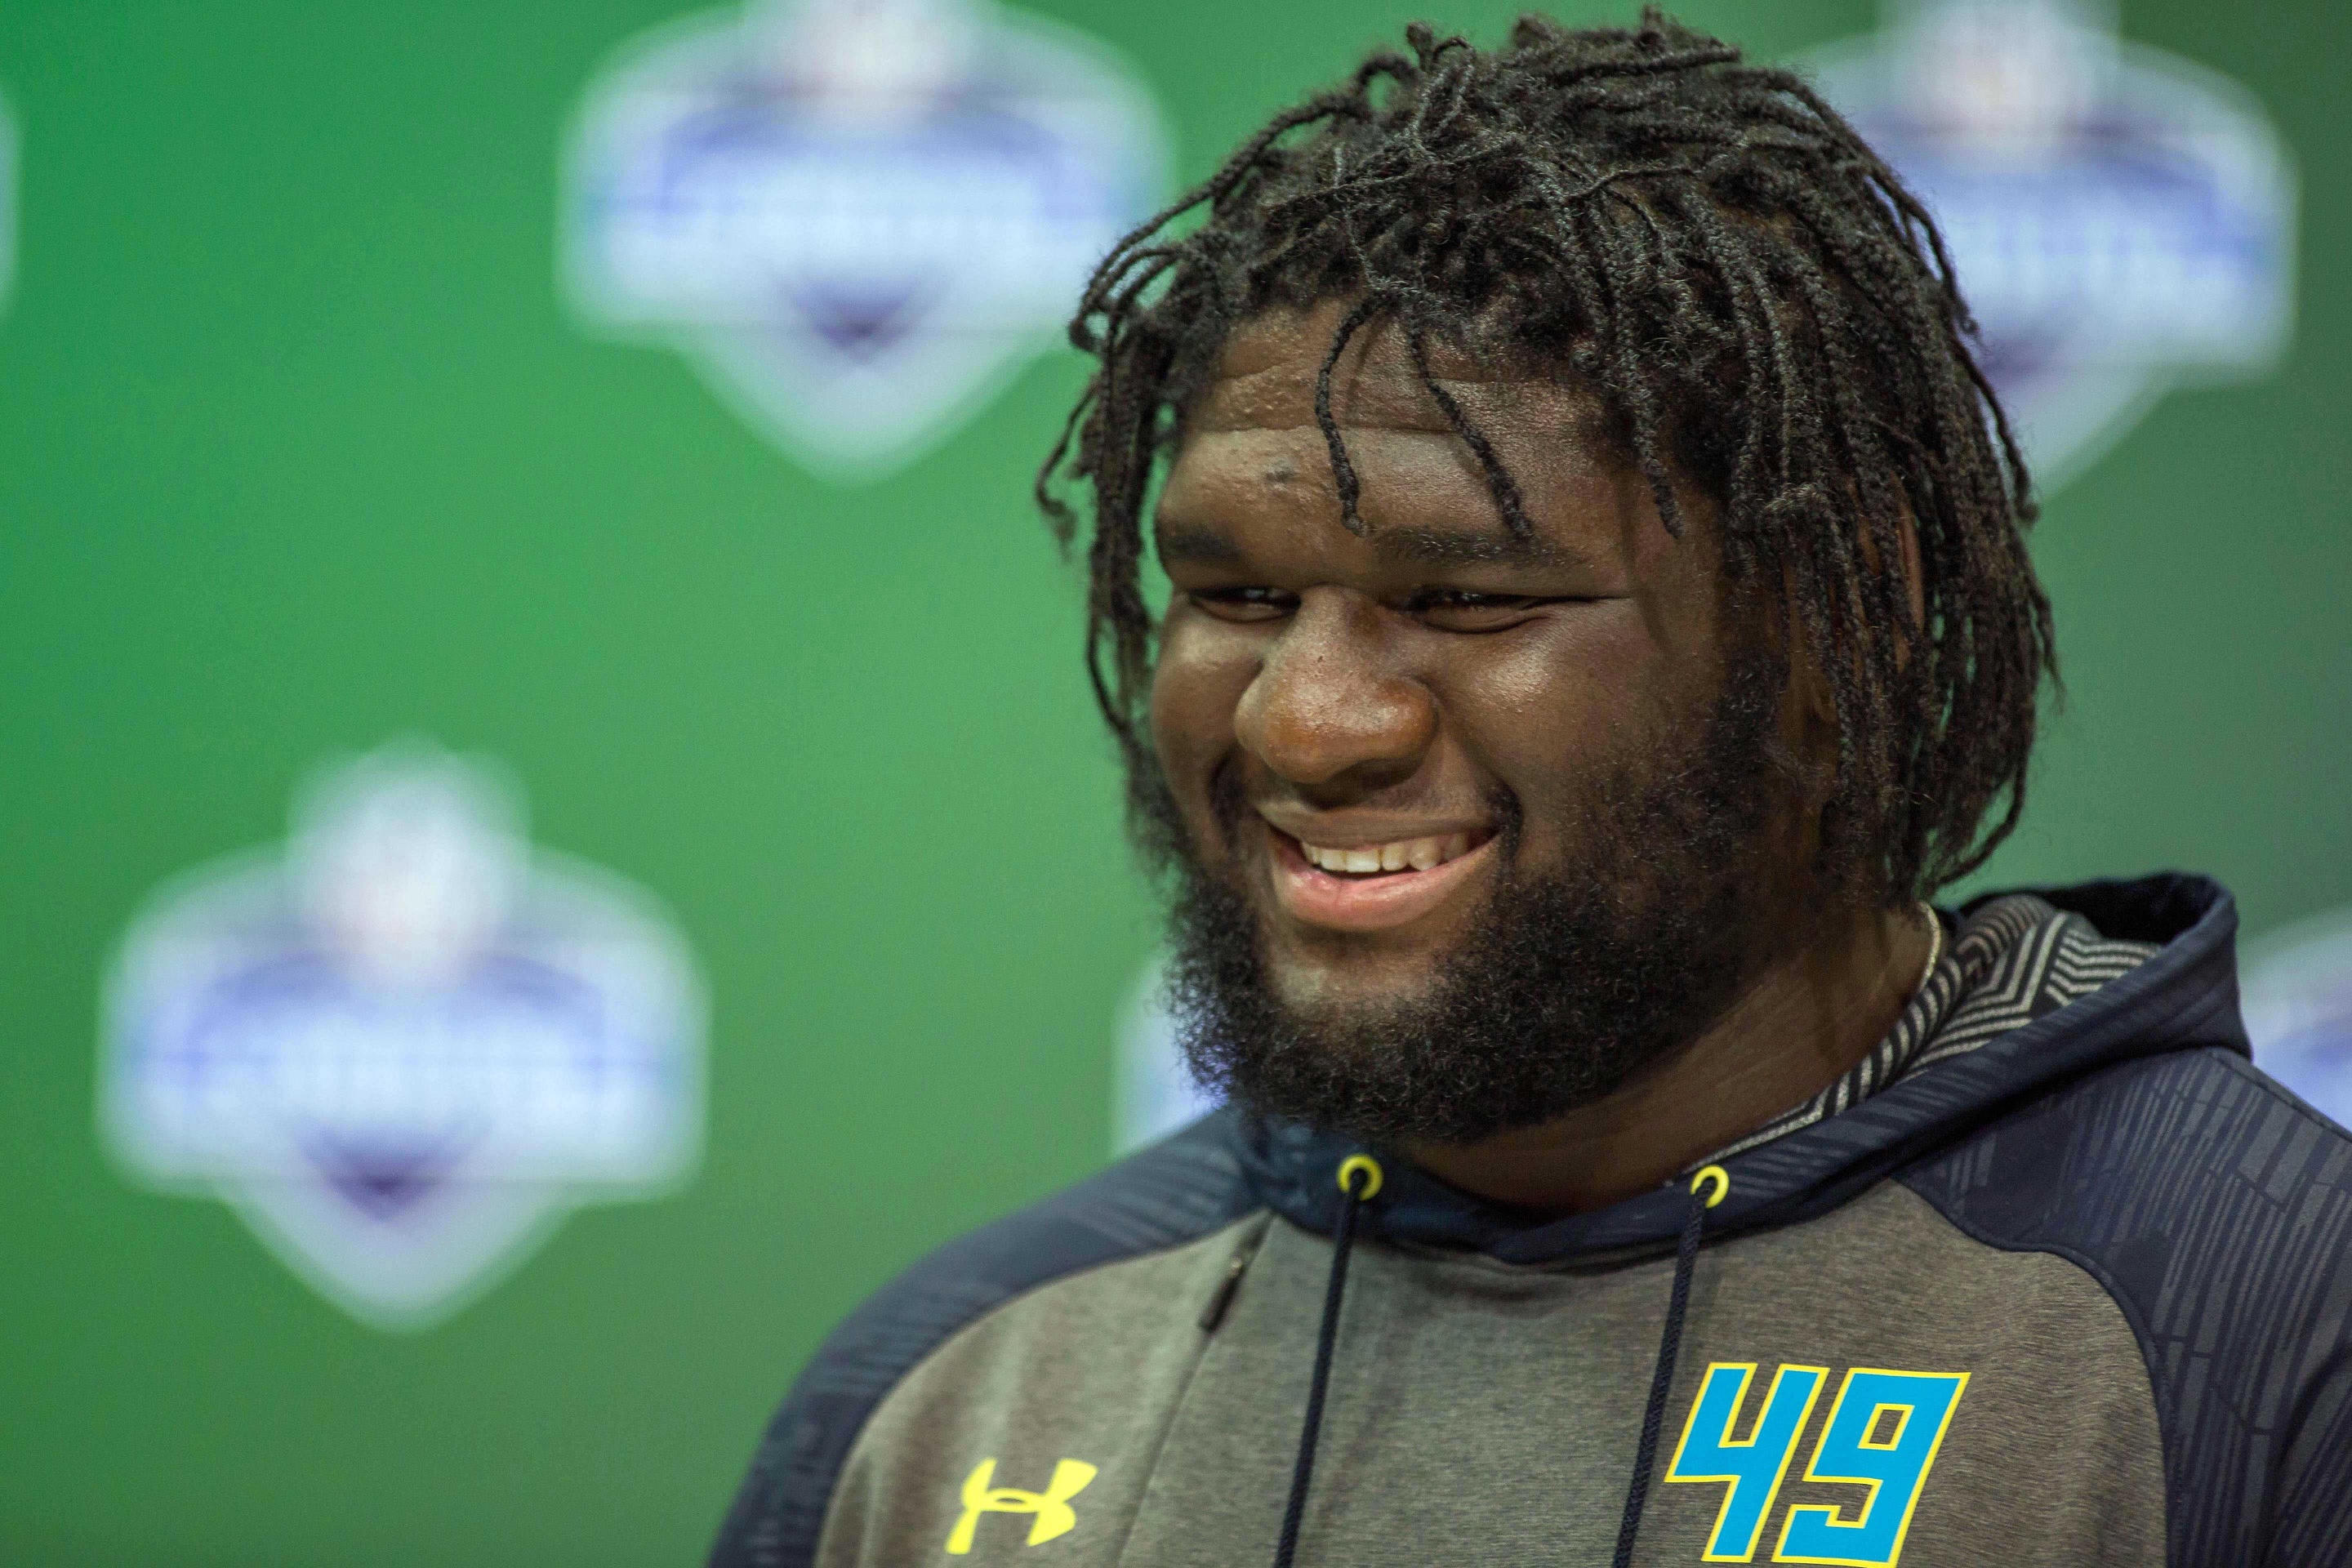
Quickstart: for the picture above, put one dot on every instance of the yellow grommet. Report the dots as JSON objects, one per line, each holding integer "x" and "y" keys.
{"x": 1720, "y": 1177}
{"x": 1370, "y": 1166}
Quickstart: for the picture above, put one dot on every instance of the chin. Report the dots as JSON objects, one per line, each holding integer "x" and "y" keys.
{"x": 1362, "y": 980}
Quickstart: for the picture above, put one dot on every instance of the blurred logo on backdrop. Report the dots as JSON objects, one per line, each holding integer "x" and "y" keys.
{"x": 1155, "y": 1094}
{"x": 2121, "y": 220}
{"x": 406, "y": 1044}
{"x": 2297, "y": 995}
{"x": 855, "y": 217}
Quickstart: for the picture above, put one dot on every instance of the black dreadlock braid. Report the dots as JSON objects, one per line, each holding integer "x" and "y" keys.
{"x": 1763, "y": 309}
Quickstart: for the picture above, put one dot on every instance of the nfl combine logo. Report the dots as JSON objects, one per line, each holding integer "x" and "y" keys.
{"x": 855, "y": 217}
{"x": 2121, "y": 220}
{"x": 405, "y": 1047}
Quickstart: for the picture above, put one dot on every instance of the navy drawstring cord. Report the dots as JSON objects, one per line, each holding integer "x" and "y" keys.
{"x": 1359, "y": 1179}
{"x": 1351, "y": 1169}
{"x": 1670, "y": 1344}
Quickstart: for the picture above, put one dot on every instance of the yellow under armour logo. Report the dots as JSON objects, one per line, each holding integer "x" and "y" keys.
{"x": 1052, "y": 1506}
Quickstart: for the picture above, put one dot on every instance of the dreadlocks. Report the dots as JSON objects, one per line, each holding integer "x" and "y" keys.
{"x": 1762, "y": 309}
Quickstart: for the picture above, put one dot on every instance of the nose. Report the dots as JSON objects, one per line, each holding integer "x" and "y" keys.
{"x": 1327, "y": 707}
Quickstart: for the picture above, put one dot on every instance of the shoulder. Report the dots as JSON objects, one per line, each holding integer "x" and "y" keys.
{"x": 1164, "y": 1197}
{"x": 2216, "y": 1209}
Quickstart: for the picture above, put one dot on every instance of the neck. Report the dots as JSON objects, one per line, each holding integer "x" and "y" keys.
{"x": 1805, "y": 1020}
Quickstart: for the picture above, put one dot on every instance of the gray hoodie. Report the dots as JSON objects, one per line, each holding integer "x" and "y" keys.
{"x": 2053, "y": 1277}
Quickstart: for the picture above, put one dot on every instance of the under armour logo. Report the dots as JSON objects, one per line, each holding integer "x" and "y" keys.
{"x": 1052, "y": 1506}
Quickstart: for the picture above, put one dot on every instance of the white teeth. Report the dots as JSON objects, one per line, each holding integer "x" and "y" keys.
{"x": 1420, "y": 854}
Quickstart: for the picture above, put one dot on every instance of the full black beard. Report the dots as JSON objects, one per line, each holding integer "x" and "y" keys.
{"x": 1567, "y": 987}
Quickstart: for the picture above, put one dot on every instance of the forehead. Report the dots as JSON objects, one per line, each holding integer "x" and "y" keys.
{"x": 1266, "y": 373}
{"x": 1252, "y": 450}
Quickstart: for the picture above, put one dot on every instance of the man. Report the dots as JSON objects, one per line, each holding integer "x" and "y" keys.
{"x": 1598, "y": 615}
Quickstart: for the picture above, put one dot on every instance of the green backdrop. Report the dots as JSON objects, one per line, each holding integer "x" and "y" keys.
{"x": 298, "y": 452}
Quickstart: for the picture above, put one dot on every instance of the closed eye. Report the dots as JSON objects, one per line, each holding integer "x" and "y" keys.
{"x": 1244, "y": 603}
{"x": 1464, "y": 610}
{"x": 1445, "y": 609}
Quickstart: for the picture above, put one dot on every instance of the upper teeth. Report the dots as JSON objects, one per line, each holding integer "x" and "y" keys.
{"x": 1421, "y": 854}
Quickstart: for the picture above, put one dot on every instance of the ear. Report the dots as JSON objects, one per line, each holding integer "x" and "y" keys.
{"x": 1808, "y": 727}
{"x": 1807, "y": 686}
{"x": 1808, "y": 737}
{"x": 1915, "y": 572}
{"x": 1810, "y": 703}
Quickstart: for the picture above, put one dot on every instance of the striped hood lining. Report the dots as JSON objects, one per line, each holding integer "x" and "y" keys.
{"x": 2013, "y": 960}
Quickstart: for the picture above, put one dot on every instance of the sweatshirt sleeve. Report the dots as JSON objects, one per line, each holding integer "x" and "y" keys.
{"x": 2314, "y": 1500}
{"x": 2216, "y": 1209}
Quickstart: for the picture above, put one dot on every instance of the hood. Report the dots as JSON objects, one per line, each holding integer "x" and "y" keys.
{"x": 2185, "y": 998}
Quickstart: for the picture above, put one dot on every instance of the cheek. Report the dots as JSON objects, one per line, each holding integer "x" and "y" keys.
{"x": 1548, "y": 716}
{"x": 1196, "y": 687}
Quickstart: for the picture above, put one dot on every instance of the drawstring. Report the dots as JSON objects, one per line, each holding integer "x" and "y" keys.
{"x": 1670, "y": 1344}
{"x": 1707, "y": 1188}
{"x": 1354, "y": 1166}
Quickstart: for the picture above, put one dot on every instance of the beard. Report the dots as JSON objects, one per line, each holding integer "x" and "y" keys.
{"x": 1569, "y": 984}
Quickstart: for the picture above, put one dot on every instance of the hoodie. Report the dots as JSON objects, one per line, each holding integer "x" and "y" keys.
{"x": 2054, "y": 1276}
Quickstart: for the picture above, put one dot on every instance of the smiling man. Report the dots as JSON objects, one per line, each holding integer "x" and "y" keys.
{"x": 1598, "y": 622}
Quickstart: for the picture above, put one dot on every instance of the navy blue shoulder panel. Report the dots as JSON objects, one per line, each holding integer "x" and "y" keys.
{"x": 1173, "y": 1192}
{"x": 2216, "y": 1209}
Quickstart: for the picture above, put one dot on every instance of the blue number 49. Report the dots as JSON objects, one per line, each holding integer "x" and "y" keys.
{"x": 1884, "y": 1431}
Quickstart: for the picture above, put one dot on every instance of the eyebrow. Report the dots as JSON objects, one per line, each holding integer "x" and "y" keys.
{"x": 1442, "y": 546}
{"x": 1451, "y": 546}
{"x": 1188, "y": 542}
